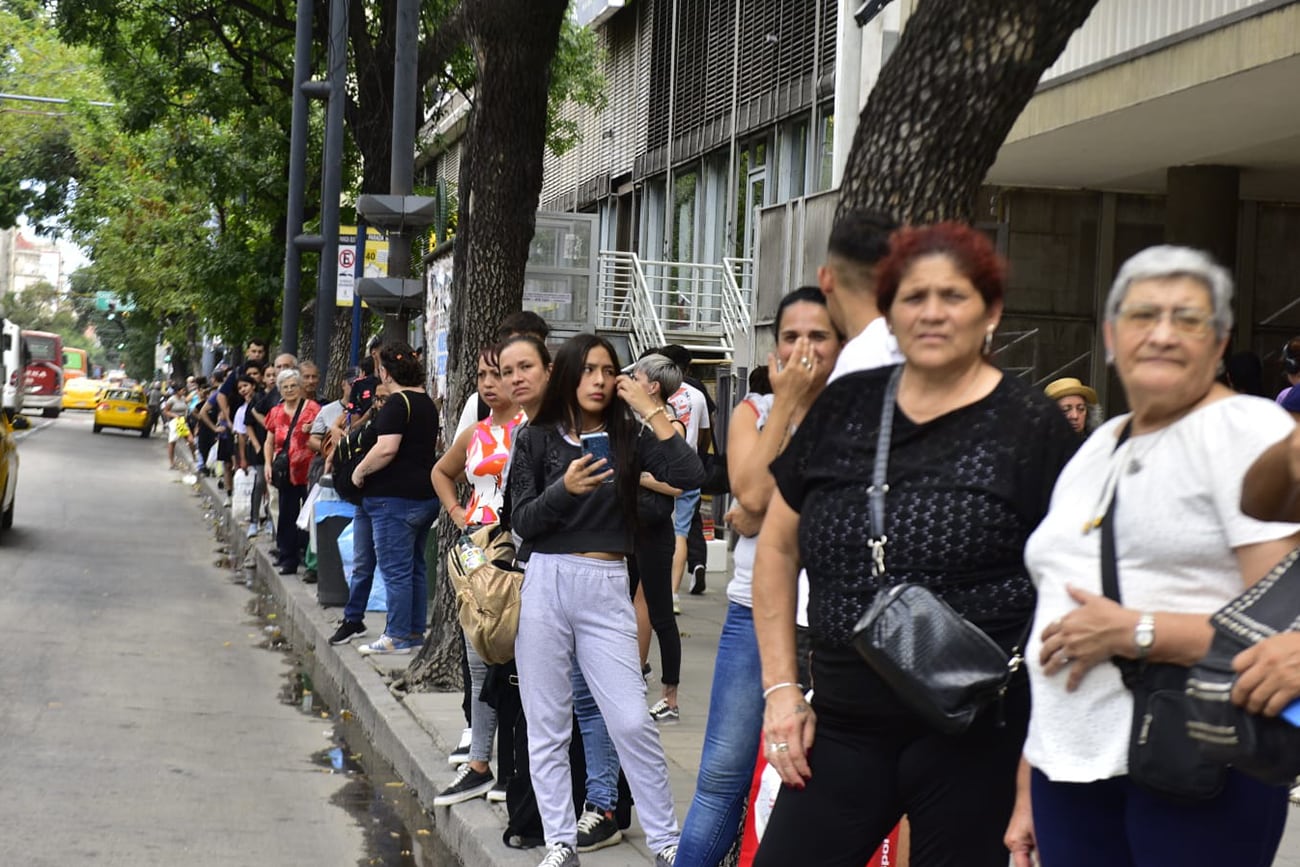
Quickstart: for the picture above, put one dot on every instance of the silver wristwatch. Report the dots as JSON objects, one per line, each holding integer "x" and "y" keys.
{"x": 1144, "y": 634}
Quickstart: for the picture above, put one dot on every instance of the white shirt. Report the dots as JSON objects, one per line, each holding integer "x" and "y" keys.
{"x": 692, "y": 411}
{"x": 1178, "y": 519}
{"x": 468, "y": 415}
{"x": 874, "y": 347}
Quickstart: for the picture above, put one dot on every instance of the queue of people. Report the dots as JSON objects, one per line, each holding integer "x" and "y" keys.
{"x": 883, "y": 448}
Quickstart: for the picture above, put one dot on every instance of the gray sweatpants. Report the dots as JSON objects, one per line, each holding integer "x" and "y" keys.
{"x": 579, "y": 606}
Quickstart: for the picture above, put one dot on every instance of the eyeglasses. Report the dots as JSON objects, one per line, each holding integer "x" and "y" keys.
{"x": 1187, "y": 321}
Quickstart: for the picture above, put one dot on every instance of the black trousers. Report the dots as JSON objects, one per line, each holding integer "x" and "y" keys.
{"x": 697, "y": 552}
{"x": 288, "y": 538}
{"x": 652, "y": 567}
{"x": 871, "y": 766}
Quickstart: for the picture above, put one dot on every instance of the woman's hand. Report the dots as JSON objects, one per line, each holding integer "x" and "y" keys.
{"x": 1019, "y": 838}
{"x": 1091, "y": 634}
{"x": 585, "y": 475}
{"x": 458, "y": 516}
{"x": 798, "y": 380}
{"x": 788, "y": 728}
{"x": 635, "y": 396}
{"x": 743, "y": 521}
{"x": 358, "y": 478}
{"x": 1268, "y": 674}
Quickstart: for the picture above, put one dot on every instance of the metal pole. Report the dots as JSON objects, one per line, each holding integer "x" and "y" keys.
{"x": 401, "y": 179}
{"x": 297, "y": 179}
{"x": 354, "y": 354}
{"x": 332, "y": 182}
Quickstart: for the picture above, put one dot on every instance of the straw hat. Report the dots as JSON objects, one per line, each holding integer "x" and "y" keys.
{"x": 1067, "y": 386}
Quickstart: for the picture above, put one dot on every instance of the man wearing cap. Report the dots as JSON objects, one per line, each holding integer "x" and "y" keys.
{"x": 1074, "y": 398}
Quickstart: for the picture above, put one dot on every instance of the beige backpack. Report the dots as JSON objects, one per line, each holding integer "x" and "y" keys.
{"x": 488, "y": 596}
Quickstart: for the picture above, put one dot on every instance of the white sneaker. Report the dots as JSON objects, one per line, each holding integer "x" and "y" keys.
{"x": 253, "y": 529}
{"x": 460, "y": 755}
{"x": 560, "y": 855}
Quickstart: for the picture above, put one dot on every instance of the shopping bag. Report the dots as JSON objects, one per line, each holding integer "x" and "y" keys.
{"x": 305, "y": 519}
{"x": 241, "y": 495}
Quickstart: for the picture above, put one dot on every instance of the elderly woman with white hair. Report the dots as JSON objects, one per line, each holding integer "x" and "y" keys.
{"x": 1165, "y": 481}
{"x": 288, "y": 428}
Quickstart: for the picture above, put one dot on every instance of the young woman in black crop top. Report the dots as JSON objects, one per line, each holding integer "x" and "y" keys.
{"x": 576, "y": 516}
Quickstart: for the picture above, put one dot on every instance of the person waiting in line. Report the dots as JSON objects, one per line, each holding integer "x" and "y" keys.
{"x": 311, "y": 379}
{"x": 513, "y": 325}
{"x": 651, "y": 565}
{"x": 398, "y": 498}
{"x": 1076, "y": 400}
{"x": 972, "y": 457}
{"x": 1172, "y": 471}
{"x": 1290, "y": 367}
{"x": 690, "y": 406}
{"x": 578, "y": 531}
{"x": 807, "y": 347}
{"x": 228, "y": 400}
{"x": 859, "y": 241}
{"x": 288, "y": 426}
{"x": 250, "y": 446}
{"x": 478, "y": 456}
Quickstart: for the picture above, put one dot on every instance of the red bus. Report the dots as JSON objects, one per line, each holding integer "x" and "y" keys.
{"x": 43, "y": 380}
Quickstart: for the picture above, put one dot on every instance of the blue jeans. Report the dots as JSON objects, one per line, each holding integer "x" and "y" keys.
{"x": 597, "y": 747}
{"x": 400, "y": 527}
{"x": 363, "y": 566}
{"x": 730, "y": 744}
{"x": 1116, "y": 823}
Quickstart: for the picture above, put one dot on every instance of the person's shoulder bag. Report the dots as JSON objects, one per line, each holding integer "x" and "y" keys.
{"x": 1266, "y": 748}
{"x": 351, "y": 451}
{"x": 943, "y": 667}
{"x": 1161, "y": 757}
{"x": 488, "y": 584}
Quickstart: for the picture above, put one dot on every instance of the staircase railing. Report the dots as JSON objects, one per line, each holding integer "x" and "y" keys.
{"x": 624, "y": 302}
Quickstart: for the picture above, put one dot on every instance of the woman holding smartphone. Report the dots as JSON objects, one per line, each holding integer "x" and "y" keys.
{"x": 576, "y": 515}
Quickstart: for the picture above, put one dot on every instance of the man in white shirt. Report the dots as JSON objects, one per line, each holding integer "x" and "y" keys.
{"x": 859, "y": 240}
{"x": 691, "y": 406}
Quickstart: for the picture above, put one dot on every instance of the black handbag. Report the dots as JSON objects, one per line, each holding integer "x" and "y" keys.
{"x": 1161, "y": 757}
{"x": 280, "y": 465}
{"x": 1266, "y": 748}
{"x": 943, "y": 667}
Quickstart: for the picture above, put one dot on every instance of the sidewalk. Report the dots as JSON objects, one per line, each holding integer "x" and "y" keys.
{"x": 415, "y": 734}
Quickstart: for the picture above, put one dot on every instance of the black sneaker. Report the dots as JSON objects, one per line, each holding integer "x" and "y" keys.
{"x": 597, "y": 829}
{"x": 497, "y": 794}
{"x": 309, "y": 576}
{"x": 348, "y": 630}
{"x": 467, "y": 785}
{"x": 697, "y": 580}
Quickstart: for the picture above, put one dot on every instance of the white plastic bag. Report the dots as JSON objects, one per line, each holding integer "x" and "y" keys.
{"x": 305, "y": 517}
{"x": 241, "y": 496}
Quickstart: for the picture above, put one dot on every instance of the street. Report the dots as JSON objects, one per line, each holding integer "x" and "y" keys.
{"x": 141, "y": 719}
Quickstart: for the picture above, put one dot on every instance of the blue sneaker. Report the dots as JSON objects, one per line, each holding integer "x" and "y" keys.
{"x": 386, "y": 646}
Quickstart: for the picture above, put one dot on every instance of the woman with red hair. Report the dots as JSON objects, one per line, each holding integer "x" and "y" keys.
{"x": 972, "y": 457}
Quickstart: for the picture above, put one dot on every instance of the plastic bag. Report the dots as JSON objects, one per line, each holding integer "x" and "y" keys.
{"x": 241, "y": 495}
{"x": 305, "y": 520}
{"x": 378, "y": 590}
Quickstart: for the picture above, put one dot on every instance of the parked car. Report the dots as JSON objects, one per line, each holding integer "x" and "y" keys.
{"x": 8, "y": 473}
{"x": 123, "y": 408}
{"x": 82, "y": 393}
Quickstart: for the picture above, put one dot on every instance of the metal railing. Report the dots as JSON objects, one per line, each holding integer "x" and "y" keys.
{"x": 700, "y": 306}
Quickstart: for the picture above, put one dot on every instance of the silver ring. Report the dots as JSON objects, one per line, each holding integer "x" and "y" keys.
{"x": 781, "y": 748}
{"x": 805, "y": 362}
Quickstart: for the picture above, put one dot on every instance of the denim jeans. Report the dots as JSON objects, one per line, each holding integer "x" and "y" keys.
{"x": 400, "y": 527}
{"x": 602, "y": 758}
{"x": 363, "y": 566}
{"x": 730, "y": 744}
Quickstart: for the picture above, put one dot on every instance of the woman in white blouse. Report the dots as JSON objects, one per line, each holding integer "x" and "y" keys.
{"x": 1183, "y": 548}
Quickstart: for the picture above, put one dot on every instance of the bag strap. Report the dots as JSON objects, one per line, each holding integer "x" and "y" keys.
{"x": 1109, "y": 559}
{"x": 879, "y": 487}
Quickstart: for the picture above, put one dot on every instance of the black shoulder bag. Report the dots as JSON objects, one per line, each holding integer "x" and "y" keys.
{"x": 1266, "y": 748}
{"x": 351, "y": 451}
{"x": 1161, "y": 757}
{"x": 280, "y": 466}
{"x": 942, "y": 666}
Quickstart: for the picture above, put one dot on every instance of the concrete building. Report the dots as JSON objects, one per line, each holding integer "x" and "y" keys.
{"x": 728, "y": 124}
{"x": 24, "y": 262}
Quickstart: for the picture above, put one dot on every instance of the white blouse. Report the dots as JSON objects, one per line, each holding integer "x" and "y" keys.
{"x": 1178, "y": 519}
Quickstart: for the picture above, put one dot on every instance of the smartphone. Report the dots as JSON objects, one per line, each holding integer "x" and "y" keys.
{"x": 597, "y": 445}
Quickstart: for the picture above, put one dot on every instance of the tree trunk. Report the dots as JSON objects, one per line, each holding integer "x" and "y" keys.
{"x": 945, "y": 101}
{"x": 500, "y": 182}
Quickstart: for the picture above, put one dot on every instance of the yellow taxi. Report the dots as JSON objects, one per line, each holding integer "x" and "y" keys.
{"x": 122, "y": 408}
{"x": 8, "y": 472}
{"x": 82, "y": 392}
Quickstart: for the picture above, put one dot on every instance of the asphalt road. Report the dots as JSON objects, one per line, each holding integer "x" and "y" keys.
{"x": 140, "y": 720}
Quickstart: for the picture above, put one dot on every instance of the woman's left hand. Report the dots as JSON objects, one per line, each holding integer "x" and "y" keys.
{"x": 634, "y": 395}
{"x": 1087, "y": 636}
{"x": 1269, "y": 674}
{"x": 358, "y": 479}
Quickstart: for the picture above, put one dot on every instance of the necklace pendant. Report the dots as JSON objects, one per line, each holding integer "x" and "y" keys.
{"x": 1134, "y": 466}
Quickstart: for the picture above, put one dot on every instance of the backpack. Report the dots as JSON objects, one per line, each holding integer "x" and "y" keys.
{"x": 351, "y": 451}
{"x": 488, "y": 595}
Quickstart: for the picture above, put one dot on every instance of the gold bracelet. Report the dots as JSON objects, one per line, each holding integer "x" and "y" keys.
{"x": 654, "y": 412}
